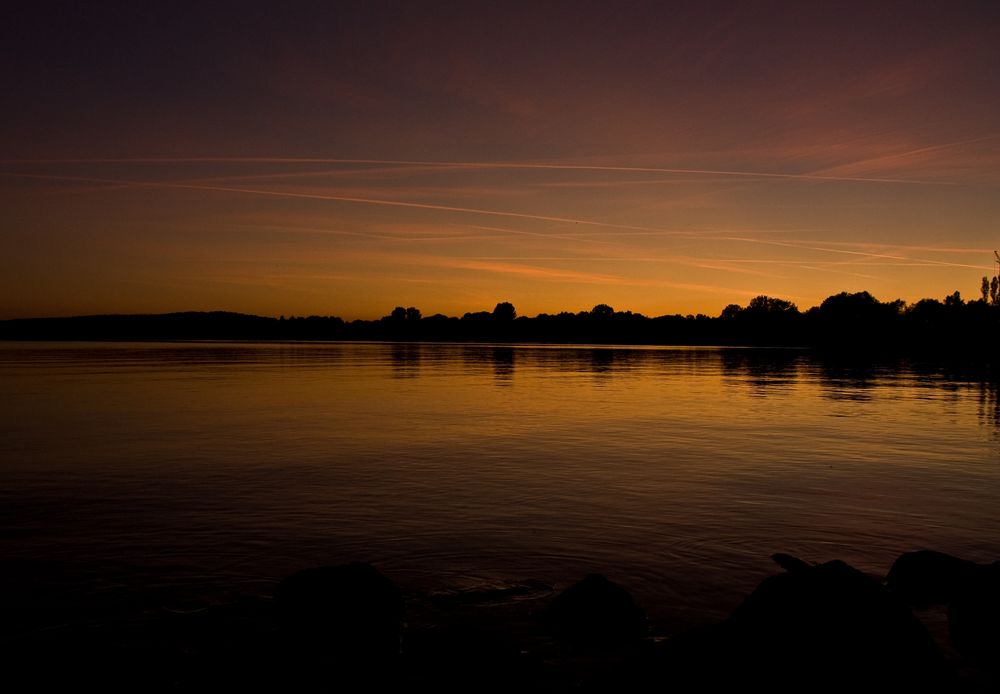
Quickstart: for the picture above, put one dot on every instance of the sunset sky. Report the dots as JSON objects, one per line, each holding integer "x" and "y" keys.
{"x": 347, "y": 157}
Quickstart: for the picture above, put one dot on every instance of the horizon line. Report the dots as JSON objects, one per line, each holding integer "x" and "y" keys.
{"x": 543, "y": 313}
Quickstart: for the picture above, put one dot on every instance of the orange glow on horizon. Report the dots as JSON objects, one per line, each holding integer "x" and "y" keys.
{"x": 794, "y": 151}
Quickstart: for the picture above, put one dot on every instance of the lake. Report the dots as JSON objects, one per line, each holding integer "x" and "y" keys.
{"x": 181, "y": 475}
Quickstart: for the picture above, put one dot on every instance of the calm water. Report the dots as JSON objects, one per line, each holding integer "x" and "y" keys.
{"x": 193, "y": 473}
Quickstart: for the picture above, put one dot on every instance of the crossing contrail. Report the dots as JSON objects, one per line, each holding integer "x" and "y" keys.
{"x": 863, "y": 254}
{"x": 465, "y": 210}
{"x": 483, "y": 165}
{"x": 900, "y": 156}
{"x": 339, "y": 198}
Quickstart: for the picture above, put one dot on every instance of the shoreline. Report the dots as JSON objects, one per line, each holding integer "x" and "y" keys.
{"x": 349, "y": 625}
{"x": 855, "y": 324}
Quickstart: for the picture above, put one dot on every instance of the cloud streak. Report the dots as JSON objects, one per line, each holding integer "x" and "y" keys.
{"x": 865, "y": 254}
{"x": 475, "y": 211}
{"x": 536, "y": 166}
{"x": 898, "y": 160}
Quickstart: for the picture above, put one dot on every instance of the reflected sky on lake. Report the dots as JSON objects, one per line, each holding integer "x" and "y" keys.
{"x": 675, "y": 471}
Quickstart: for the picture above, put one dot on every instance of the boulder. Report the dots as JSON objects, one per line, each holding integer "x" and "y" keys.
{"x": 464, "y": 658}
{"x": 827, "y": 627}
{"x": 971, "y": 591}
{"x": 595, "y": 611}
{"x": 348, "y": 613}
{"x": 974, "y": 616}
{"x": 926, "y": 578}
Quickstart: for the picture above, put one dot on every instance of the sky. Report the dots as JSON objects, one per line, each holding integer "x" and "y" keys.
{"x": 342, "y": 158}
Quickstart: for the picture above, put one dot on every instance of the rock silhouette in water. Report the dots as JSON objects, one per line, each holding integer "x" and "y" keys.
{"x": 970, "y": 590}
{"x": 926, "y": 577}
{"x": 825, "y": 627}
{"x": 974, "y": 616}
{"x": 595, "y": 611}
{"x": 340, "y": 621}
{"x": 465, "y": 658}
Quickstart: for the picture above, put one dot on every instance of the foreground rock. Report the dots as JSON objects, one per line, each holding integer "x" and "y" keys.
{"x": 926, "y": 578}
{"x": 970, "y": 590}
{"x": 595, "y": 611}
{"x": 339, "y": 622}
{"x": 825, "y": 627}
{"x": 811, "y": 628}
{"x": 974, "y": 616}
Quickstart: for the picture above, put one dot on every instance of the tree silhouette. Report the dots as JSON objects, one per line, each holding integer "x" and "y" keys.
{"x": 731, "y": 312}
{"x": 504, "y": 311}
{"x": 851, "y": 321}
{"x": 766, "y": 305}
{"x": 857, "y": 307}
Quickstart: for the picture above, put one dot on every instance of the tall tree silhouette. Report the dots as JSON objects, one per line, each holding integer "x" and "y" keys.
{"x": 504, "y": 311}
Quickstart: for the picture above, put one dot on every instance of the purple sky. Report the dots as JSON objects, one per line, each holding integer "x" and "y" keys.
{"x": 343, "y": 158}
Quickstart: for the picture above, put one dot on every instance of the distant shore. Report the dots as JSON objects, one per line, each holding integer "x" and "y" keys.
{"x": 853, "y": 323}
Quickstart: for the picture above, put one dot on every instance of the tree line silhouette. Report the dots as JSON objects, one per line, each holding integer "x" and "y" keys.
{"x": 856, "y": 321}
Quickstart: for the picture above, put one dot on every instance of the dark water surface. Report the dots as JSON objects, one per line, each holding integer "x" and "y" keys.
{"x": 181, "y": 475}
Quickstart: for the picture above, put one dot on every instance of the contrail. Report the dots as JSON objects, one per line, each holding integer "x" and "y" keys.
{"x": 905, "y": 247}
{"x": 464, "y": 210}
{"x": 887, "y": 158}
{"x": 864, "y": 254}
{"x": 481, "y": 165}
{"x": 559, "y": 237}
{"x": 841, "y": 272}
{"x": 340, "y": 198}
{"x": 381, "y": 202}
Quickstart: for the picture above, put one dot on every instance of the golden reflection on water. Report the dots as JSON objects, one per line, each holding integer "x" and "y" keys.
{"x": 678, "y": 471}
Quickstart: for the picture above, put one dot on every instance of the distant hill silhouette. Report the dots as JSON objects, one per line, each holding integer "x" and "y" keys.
{"x": 845, "y": 321}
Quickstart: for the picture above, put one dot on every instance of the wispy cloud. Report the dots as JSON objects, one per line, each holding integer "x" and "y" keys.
{"x": 844, "y": 251}
{"x": 901, "y": 162}
{"x": 539, "y": 166}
